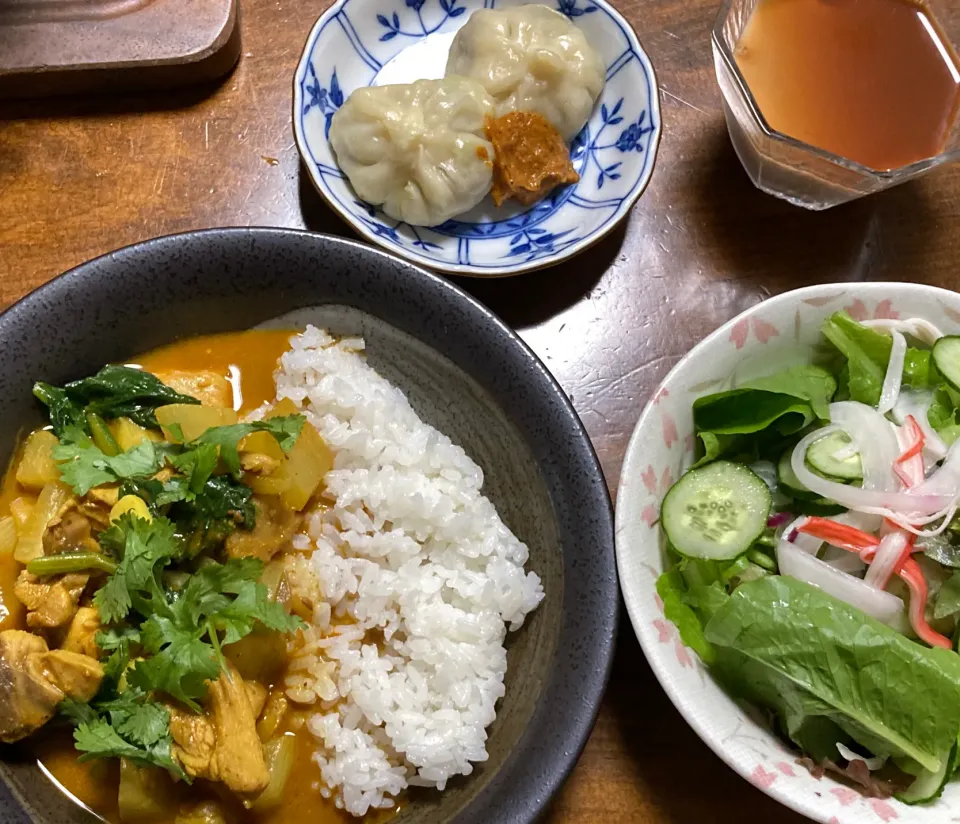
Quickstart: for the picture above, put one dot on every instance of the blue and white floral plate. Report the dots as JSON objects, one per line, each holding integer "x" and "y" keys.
{"x": 372, "y": 42}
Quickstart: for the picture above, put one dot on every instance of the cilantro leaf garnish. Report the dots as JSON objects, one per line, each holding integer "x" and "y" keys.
{"x": 181, "y": 632}
{"x": 181, "y": 663}
{"x": 116, "y": 638}
{"x": 78, "y": 712}
{"x": 196, "y": 465}
{"x": 162, "y": 633}
{"x": 99, "y": 739}
{"x": 207, "y": 591}
{"x": 143, "y": 548}
{"x": 148, "y": 723}
{"x": 252, "y": 606}
{"x": 207, "y": 507}
{"x": 83, "y": 466}
{"x": 184, "y": 644}
{"x": 122, "y": 724}
{"x": 286, "y": 429}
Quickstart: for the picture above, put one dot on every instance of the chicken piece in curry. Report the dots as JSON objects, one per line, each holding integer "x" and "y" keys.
{"x": 145, "y": 621}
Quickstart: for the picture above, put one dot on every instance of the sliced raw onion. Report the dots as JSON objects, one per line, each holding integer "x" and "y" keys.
{"x": 915, "y": 505}
{"x": 881, "y": 605}
{"x": 917, "y": 402}
{"x": 888, "y": 555}
{"x": 914, "y": 523}
{"x": 874, "y": 437}
{"x": 870, "y": 763}
{"x": 894, "y": 377}
{"x": 921, "y": 329}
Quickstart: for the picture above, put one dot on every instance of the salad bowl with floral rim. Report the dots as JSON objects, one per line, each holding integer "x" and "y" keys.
{"x": 776, "y": 334}
{"x": 358, "y": 43}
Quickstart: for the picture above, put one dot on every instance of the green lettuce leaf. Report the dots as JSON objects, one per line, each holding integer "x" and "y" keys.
{"x": 673, "y": 593}
{"x": 948, "y": 599}
{"x": 807, "y": 382}
{"x": 714, "y": 446}
{"x": 747, "y": 411}
{"x": 867, "y": 352}
{"x": 802, "y": 718}
{"x": 941, "y": 411}
{"x": 785, "y": 402}
{"x": 943, "y": 414}
{"x": 805, "y": 654}
{"x": 692, "y": 591}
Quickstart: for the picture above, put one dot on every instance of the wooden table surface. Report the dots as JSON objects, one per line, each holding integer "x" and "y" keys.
{"x": 80, "y": 177}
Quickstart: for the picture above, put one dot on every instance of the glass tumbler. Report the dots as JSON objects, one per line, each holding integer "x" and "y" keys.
{"x": 791, "y": 169}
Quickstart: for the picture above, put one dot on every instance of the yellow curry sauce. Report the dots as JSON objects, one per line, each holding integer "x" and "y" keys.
{"x": 249, "y": 358}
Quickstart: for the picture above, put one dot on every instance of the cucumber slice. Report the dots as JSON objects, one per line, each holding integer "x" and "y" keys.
{"x": 716, "y": 512}
{"x": 788, "y": 480}
{"x": 821, "y": 507}
{"x": 946, "y": 357}
{"x": 820, "y": 456}
{"x": 805, "y": 501}
{"x": 929, "y": 785}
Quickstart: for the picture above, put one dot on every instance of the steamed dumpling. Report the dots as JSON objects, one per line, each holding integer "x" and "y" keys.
{"x": 417, "y": 150}
{"x": 531, "y": 59}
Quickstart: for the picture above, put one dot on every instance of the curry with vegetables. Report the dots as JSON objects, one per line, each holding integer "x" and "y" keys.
{"x": 146, "y": 619}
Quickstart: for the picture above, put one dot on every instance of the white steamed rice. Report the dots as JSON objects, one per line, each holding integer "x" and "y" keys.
{"x": 413, "y": 579}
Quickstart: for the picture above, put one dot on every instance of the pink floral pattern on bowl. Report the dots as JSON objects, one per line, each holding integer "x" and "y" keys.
{"x": 773, "y": 335}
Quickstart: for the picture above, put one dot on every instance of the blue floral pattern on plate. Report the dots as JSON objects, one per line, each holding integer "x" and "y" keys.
{"x": 353, "y": 42}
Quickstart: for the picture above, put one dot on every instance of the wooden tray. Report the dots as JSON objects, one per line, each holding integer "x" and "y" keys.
{"x": 52, "y": 47}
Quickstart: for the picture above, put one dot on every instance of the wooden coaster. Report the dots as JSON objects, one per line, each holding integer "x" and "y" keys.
{"x": 52, "y": 47}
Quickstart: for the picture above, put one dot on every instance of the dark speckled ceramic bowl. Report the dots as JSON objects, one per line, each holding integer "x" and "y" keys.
{"x": 464, "y": 371}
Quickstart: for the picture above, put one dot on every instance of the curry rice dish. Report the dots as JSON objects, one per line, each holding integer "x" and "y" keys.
{"x": 242, "y": 581}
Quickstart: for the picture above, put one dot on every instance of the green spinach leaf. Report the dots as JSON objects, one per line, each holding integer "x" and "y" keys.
{"x": 114, "y": 392}
{"x": 64, "y": 412}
